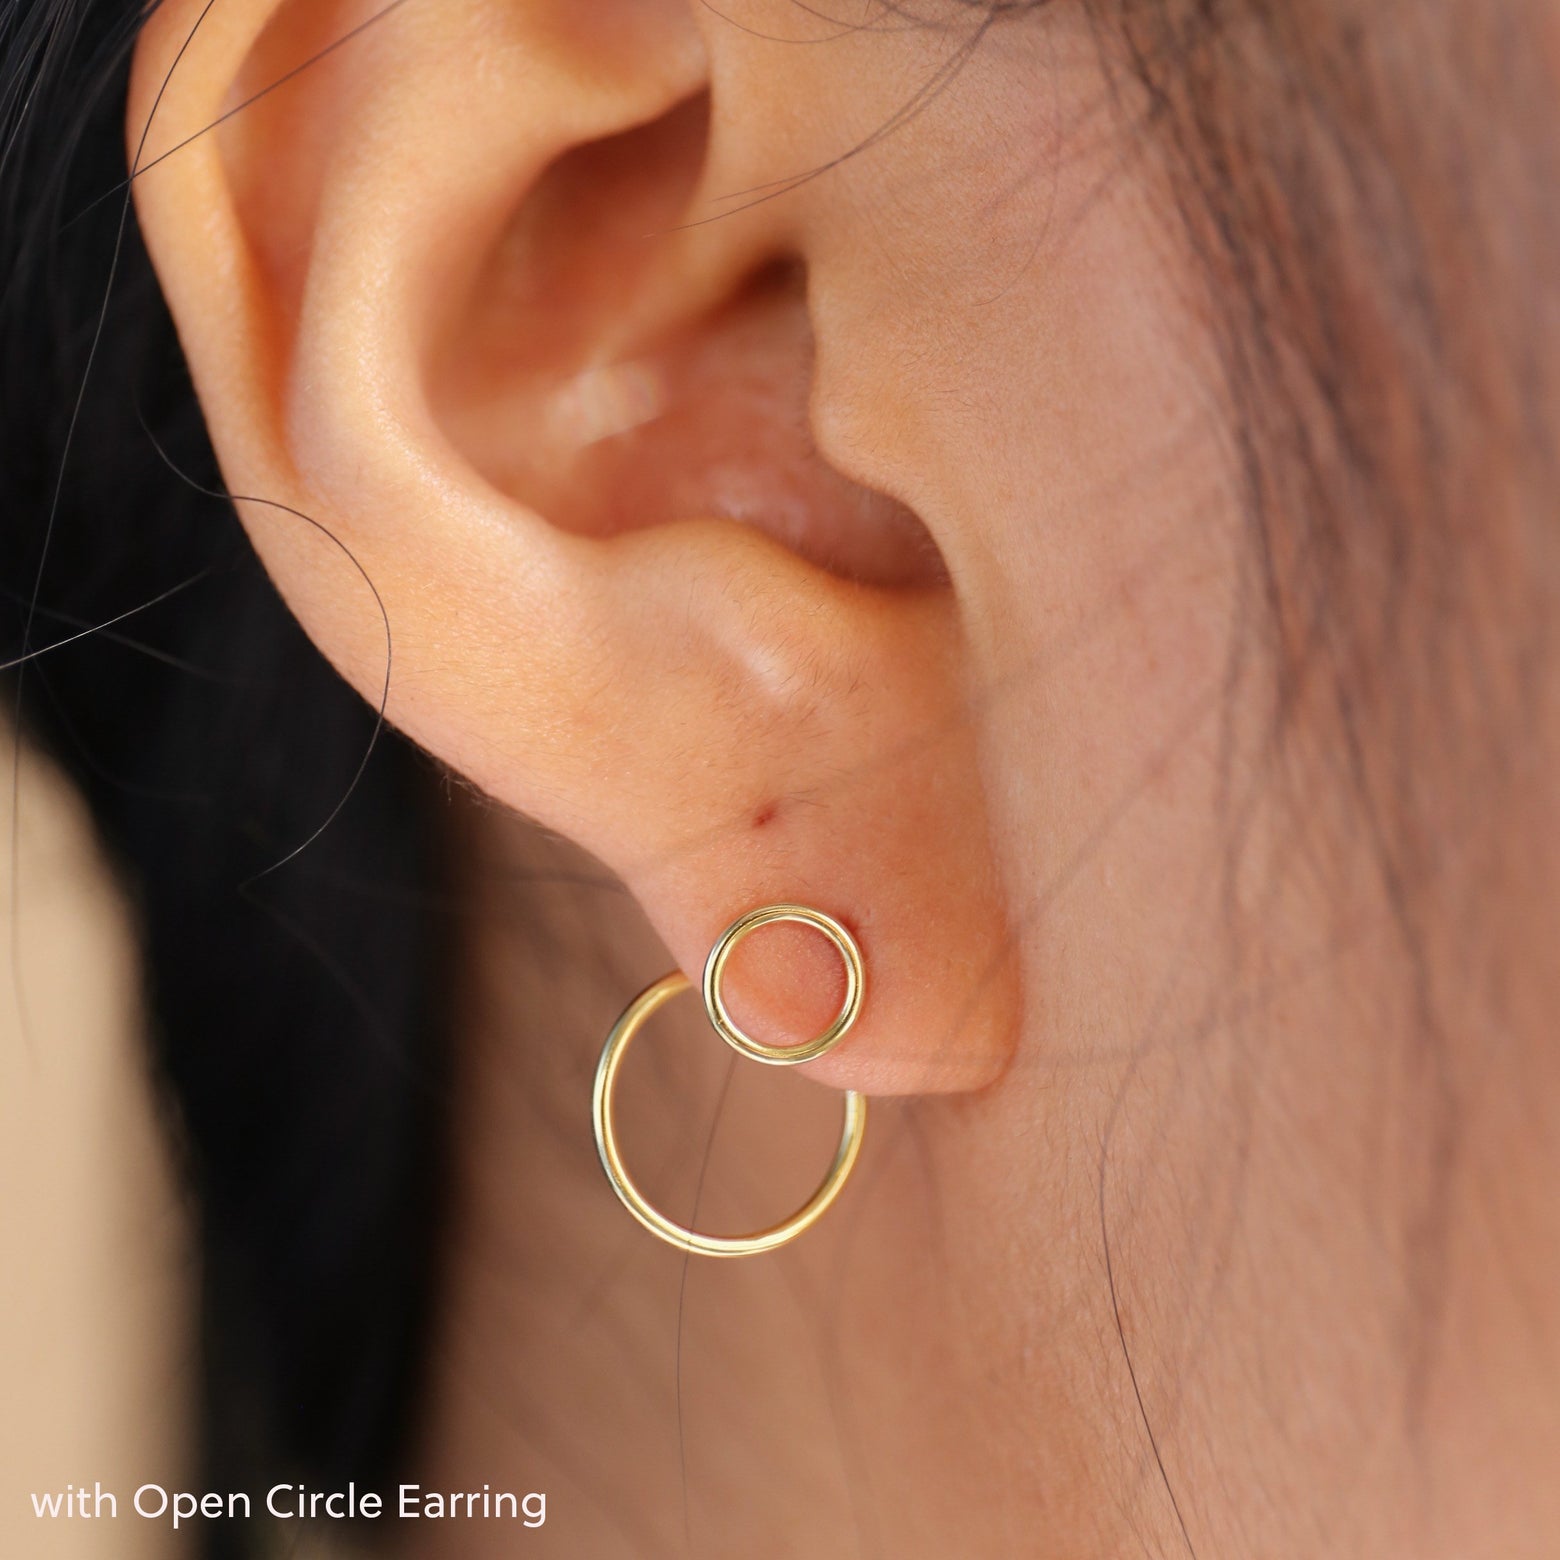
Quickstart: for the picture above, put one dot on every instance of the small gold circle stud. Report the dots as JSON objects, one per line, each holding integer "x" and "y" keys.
{"x": 783, "y": 1055}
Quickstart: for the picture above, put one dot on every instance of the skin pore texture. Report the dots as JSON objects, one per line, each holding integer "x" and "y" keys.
{"x": 870, "y": 539}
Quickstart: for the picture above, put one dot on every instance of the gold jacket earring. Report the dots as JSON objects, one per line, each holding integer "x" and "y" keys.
{"x": 669, "y": 986}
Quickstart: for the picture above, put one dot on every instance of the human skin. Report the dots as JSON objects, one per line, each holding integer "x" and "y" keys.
{"x": 875, "y": 544}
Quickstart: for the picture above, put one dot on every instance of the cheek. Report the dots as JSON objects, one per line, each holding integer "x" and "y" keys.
{"x": 1005, "y": 347}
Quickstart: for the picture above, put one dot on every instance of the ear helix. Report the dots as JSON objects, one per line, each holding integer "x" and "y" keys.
{"x": 656, "y": 996}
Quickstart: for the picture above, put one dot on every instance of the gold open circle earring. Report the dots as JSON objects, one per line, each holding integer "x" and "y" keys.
{"x": 636, "y": 1014}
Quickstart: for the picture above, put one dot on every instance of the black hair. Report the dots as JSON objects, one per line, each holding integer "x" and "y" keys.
{"x": 295, "y": 1014}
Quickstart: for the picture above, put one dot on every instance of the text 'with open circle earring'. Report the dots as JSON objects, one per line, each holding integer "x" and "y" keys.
{"x": 654, "y": 997}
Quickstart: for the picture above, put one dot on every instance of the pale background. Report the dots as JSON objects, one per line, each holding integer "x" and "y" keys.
{"x": 95, "y": 1275}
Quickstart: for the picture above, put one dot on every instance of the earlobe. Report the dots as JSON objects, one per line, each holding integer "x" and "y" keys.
{"x": 676, "y": 636}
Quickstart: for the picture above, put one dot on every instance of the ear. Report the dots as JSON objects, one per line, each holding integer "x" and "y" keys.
{"x": 438, "y": 293}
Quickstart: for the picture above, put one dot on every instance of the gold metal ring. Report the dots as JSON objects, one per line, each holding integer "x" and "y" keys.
{"x": 783, "y": 1055}
{"x": 634, "y": 1017}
